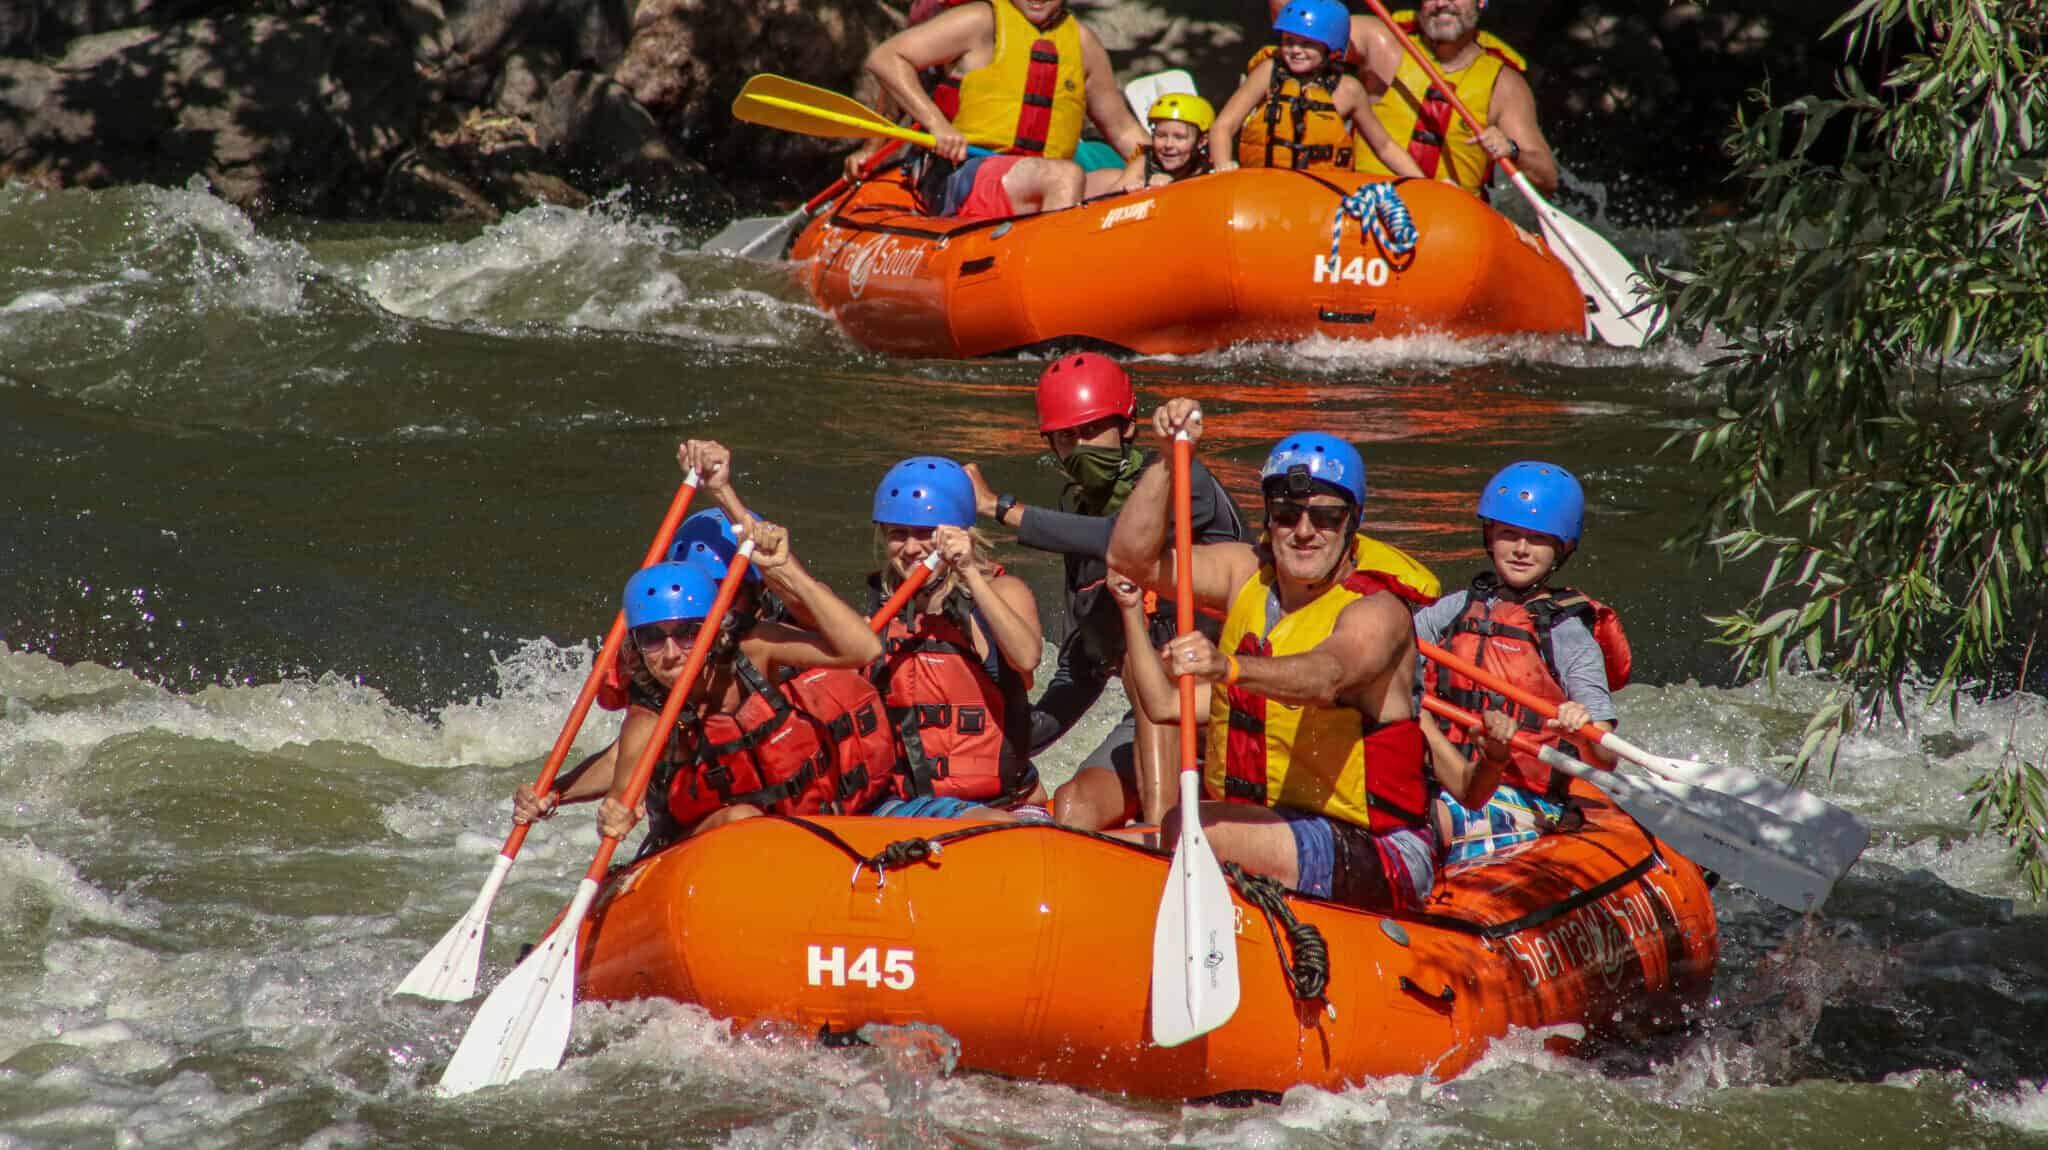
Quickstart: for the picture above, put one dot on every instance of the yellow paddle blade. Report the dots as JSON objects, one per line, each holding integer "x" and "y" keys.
{"x": 794, "y": 106}
{"x": 791, "y": 106}
{"x": 810, "y": 96}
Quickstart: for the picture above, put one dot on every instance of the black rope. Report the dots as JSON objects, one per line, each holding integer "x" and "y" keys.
{"x": 902, "y": 852}
{"x": 1308, "y": 974}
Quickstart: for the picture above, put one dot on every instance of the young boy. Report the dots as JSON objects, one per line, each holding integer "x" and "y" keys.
{"x": 1297, "y": 108}
{"x": 1551, "y": 641}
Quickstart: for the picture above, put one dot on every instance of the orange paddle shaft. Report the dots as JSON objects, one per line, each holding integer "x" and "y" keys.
{"x": 1468, "y": 721}
{"x": 1184, "y": 582}
{"x": 910, "y": 586}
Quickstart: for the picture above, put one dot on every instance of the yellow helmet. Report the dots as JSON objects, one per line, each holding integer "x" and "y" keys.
{"x": 1185, "y": 107}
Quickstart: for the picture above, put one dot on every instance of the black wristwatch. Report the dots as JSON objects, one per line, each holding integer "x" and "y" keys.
{"x": 1515, "y": 151}
{"x": 1003, "y": 505}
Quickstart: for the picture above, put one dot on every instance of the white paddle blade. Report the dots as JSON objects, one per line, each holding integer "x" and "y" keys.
{"x": 1619, "y": 310}
{"x": 523, "y": 1024}
{"x": 1833, "y": 837}
{"x": 1743, "y": 843}
{"x": 1194, "y": 939}
{"x": 1144, "y": 91}
{"x": 448, "y": 972}
{"x": 752, "y": 236}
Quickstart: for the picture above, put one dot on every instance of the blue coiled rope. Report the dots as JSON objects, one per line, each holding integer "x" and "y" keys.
{"x": 1380, "y": 215}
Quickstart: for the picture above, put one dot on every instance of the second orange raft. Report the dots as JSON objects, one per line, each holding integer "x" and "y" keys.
{"x": 1234, "y": 257}
{"x": 1032, "y": 947}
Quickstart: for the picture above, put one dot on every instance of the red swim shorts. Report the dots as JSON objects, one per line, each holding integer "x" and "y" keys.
{"x": 986, "y": 199}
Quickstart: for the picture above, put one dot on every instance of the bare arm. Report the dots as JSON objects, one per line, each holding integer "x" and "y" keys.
{"x": 1145, "y": 677}
{"x": 1134, "y": 171}
{"x": 1106, "y": 104}
{"x": 1006, "y": 603}
{"x": 944, "y": 38}
{"x": 1470, "y": 782}
{"x": 1365, "y": 647}
{"x": 582, "y": 783}
{"x": 1230, "y": 118}
{"x": 627, "y": 748}
{"x": 1513, "y": 112}
{"x": 1375, "y": 53}
{"x": 841, "y": 638}
{"x": 1138, "y": 545}
{"x": 1354, "y": 105}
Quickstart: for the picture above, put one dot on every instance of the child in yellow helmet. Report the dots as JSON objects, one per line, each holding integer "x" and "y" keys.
{"x": 1297, "y": 107}
{"x": 1180, "y": 123}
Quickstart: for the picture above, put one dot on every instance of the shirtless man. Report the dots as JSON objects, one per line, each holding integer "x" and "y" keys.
{"x": 1312, "y": 730}
{"x": 993, "y": 92}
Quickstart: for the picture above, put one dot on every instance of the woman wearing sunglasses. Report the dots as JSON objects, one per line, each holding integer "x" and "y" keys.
{"x": 1314, "y": 746}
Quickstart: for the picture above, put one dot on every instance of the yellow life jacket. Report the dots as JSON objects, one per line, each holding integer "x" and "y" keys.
{"x": 1425, "y": 123}
{"x": 1032, "y": 91}
{"x": 1296, "y": 125}
{"x": 1321, "y": 759}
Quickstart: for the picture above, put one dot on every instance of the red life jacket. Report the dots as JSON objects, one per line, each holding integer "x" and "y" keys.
{"x": 1513, "y": 641}
{"x": 816, "y": 743}
{"x": 962, "y": 721}
{"x": 614, "y": 690}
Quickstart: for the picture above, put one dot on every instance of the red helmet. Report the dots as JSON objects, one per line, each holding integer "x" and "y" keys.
{"x": 1083, "y": 388}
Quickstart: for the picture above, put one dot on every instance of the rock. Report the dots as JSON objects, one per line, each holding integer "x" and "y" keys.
{"x": 298, "y": 113}
{"x": 517, "y": 189}
{"x": 29, "y": 27}
{"x": 601, "y": 136}
{"x": 524, "y": 81}
{"x": 425, "y": 187}
{"x": 688, "y": 59}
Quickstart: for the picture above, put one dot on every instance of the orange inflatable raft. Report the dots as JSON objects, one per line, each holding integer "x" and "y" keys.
{"x": 1240, "y": 256}
{"x": 1032, "y": 947}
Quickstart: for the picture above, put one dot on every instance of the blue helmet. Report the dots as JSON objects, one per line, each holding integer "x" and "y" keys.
{"x": 669, "y": 591}
{"x": 926, "y": 491}
{"x": 1327, "y": 22}
{"x": 1539, "y": 496}
{"x": 1318, "y": 457}
{"x": 707, "y": 539}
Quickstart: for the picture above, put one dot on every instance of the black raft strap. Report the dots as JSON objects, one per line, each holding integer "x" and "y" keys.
{"x": 1236, "y": 788}
{"x": 773, "y": 793}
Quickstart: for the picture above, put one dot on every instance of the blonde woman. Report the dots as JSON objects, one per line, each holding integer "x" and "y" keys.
{"x": 956, "y": 665}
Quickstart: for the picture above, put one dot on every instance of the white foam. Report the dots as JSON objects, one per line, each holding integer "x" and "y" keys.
{"x": 2025, "y": 1109}
{"x": 227, "y": 260}
{"x": 1428, "y": 351}
{"x": 25, "y": 865}
{"x": 598, "y": 269}
{"x": 538, "y": 681}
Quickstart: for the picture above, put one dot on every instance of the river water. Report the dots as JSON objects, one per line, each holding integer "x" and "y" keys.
{"x": 309, "y": 531}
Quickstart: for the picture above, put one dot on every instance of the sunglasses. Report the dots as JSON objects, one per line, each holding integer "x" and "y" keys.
{"x": 650, "y": 636}
{"x": 1286, "y": 515}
